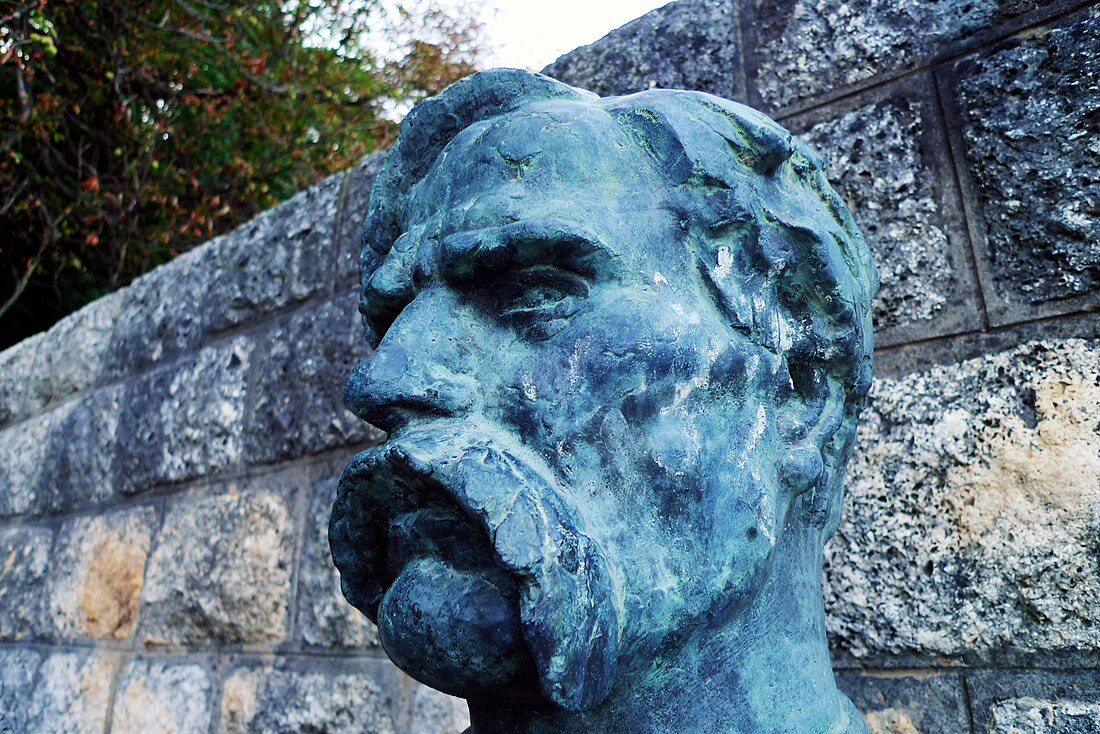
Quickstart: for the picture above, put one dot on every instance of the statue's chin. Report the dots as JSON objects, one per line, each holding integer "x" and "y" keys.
{"x": 458, "y": 631}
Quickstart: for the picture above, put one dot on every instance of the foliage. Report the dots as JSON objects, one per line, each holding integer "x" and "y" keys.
{"x": 134, "y": 129}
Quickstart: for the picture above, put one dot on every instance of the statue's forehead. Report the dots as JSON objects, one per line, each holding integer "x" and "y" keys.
{"x": 559, "y": 151}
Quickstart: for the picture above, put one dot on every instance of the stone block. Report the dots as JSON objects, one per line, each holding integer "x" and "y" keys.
{"x": 691, "y": 44}
{"x": 96, "y": 574}
{"x": 23, "y": 450}
{"x": 431, "y": 712}
{"x": 908, "y": 704}
{"x": 1030, "y": 115}
{"x": 805, "y": 48}
{"x": 159, "y": 696}
{"x": 24, "y": 563}
{"x": 1033, "y": 702}
{"x": 298, "y": 395}
{"x": 19, "y": 669}
{"x": 63, "y": 459}
{"x": 325, "y": 618}
{"x": 353, "y": 212}
{"x": 973, "y": 512}
{"x": 18, "y": 372}
{"x": 159, "y": 316}
{"x": 1029, "y": 716}
{"x": 221, "y": 571}
{"x": 883, "y": 160}
{"x": 257, "y": 700}
{"x": 72, "y": 694}
{"x": 183, "y": 420}
{"x": 281, "y": 257}
{"x": 78, "y": 462}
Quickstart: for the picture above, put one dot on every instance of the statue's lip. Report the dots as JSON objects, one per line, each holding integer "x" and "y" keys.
{"x": 568, "y": 603}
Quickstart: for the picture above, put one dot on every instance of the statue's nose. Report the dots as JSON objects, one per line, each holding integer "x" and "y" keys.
{"x": 417, "y": 369}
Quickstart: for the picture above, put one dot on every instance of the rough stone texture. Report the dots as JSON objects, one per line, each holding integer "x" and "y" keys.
{"x": 876, "y": 162}
{"x": 1031, "y": 114}
{"x": 17, "y": 678}
{"x": 430, "y": 712}
{"x": 96, "y": 574}
{"x": 22, "y": 460}
{"x": 1028, "y": 716}
{"x": 160, "y": 316}
{"x": 809, "y": 47}
{"x": 80, "y": 345}
{"x": 325, "y": 618}
{"x": 18, "y": 370}
{"x": 299, "y": 404}
{"x": 62, "y": 459}
{"x": 267, "y": 700}
{"x": 353, "y": 211}
{"x": 908, "y": 704}
{"x": 184, "y": 420}
{"x": 78, "y": 465}
{"x": 974, "y": 512}
{"x": 24, "y": 562}
{"x": 990, "y": 690}
{"x": 158, "y": 696}
{"x": 691, "y": 44}
{"x": 71, "y": 696}
{"x": 281, "y": 257}
{"x": 220, "y": 572}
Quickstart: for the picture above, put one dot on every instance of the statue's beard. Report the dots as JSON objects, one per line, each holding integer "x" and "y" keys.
{"x": 455, "y": 502}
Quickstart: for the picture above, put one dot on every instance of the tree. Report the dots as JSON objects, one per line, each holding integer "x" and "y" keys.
{"x": 134, "y": 129}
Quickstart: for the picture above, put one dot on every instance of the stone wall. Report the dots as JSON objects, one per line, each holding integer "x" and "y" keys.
{"x": 168, "y": 454}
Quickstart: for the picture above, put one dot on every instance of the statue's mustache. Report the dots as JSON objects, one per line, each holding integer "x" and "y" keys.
{"x": 567, "y": 605}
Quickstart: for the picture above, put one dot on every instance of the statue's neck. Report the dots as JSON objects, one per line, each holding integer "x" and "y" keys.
{"x": 767, "y": 672}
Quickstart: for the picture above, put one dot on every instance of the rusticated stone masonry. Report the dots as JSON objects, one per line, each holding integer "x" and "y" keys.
{"x": 168, "y": 454}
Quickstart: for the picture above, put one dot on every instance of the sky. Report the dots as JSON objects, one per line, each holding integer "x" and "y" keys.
{"x": 529, "y": 34}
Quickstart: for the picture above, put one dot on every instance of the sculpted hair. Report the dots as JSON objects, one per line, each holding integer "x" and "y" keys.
{"x": 773, "y": 243}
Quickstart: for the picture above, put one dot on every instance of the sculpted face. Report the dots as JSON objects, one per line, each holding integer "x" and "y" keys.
{"x": 620, "y": 347}
{"x": 559, "y": 393}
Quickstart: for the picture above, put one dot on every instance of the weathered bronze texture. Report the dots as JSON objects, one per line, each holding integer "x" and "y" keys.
{"x": 620, "y": 349}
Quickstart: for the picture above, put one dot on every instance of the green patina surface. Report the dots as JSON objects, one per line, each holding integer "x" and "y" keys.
{"x": 620, "y": 349}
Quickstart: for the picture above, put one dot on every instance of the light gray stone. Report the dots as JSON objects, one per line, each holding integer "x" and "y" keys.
{"x": 690, "y": 44}
{"x": 281, "y": 257}
{"x": 159, "y": 317}
{"x": 183, "y": 420}
{"x": 62, "y": 459}
{"x": 79, "y": 347}
{"x": 974, "y": 511}
{"x": 220, "y": 572}
{"x": 1031, "y": 117}
{"x": 876, "y": 163}
{"x": 24, "y": 564}
{"x": 808, "y": 47}
{"x": 325, "y": 618}
{"x": 96, "y": 574}
{"x": 159, "y": 696}
{"x": 353, "y": 212}
{"x": 18, "y": 370}
{"x": 23, "y": 449}
{"x": 262, "y": 700}
{"x": 298, "y": 404}
{"x": 431, "y": 712}
{"x": 78, "y": 466}
{"x": 18, "y": 669}
{"x": 72, "y": 694}
{"x": 1029, "y": 716}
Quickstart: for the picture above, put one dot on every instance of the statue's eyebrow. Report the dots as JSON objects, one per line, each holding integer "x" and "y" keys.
{"x": 522, "y": 244}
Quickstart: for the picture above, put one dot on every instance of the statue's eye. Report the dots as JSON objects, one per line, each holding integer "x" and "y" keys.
{"x": 535, "y": 296}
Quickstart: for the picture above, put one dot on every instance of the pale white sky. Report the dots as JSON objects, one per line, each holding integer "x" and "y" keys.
{"x": 529, "y": 34}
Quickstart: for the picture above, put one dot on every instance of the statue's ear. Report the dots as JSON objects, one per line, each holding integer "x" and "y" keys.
{"x": 810, "y": 414}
